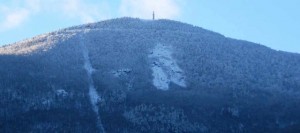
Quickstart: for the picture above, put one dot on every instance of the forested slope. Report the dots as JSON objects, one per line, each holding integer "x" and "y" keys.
{"x": 149, "y": 76}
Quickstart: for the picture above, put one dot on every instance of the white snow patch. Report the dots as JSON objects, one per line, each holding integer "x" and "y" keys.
{"x": 121, "y": 72}
{"x": 161, "y": 80}
{"x": 234, "y": 111}
{"x": 165, "y": 68}
{"x": 94, "y": 98}
{"x": 61, "y": 92}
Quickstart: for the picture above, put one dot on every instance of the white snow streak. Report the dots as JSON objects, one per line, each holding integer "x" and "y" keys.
{"x": 160, "y": 80}
{"x": 94, "y": 97}
{"x": 165, "y": 69}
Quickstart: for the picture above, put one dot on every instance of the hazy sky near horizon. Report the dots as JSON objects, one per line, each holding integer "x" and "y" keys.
{"x": 273, "y": 23}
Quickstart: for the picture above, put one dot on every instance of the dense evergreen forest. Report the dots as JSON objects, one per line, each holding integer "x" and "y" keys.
{"x": 148, "y": 76}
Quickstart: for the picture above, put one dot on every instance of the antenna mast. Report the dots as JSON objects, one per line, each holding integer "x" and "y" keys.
{"x": 153, "y": 15}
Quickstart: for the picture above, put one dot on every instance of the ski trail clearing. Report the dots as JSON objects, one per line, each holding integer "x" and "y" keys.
{"x": 94, "y": 96}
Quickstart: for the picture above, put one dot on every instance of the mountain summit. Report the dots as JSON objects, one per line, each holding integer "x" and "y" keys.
{"x": 133, "y": 75}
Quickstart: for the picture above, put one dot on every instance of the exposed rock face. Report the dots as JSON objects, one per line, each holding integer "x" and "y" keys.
{"x": 165, "y": 69}
{"x": 132, "y": 75}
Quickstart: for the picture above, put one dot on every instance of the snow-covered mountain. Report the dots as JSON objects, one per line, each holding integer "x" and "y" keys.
{"x": 131, "y": 75}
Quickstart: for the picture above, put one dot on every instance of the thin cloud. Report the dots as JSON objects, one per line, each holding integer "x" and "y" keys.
{"x": 33, "y": 5}
{"x": 144, "y": 8}
{"x": 19, "y": 11}
{"x": 14, "y": 16}
{"x": 85, "y": 11}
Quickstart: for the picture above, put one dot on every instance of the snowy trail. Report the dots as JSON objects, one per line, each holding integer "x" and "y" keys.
{"x": 94, "y": 96}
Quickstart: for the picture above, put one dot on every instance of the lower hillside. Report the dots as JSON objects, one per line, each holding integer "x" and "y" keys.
{"x": 130, "y": 76}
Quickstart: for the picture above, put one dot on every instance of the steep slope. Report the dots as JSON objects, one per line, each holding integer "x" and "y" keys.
{"x": 132, "y": 75}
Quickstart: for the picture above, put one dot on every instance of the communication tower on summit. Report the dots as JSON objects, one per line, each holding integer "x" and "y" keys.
{"x": 153, "y": 15}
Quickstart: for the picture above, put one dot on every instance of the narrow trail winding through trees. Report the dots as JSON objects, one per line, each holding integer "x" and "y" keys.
{"x": 94, "y": 96}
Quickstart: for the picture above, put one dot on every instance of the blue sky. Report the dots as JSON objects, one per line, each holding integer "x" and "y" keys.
{"x": 273, "y": 23}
